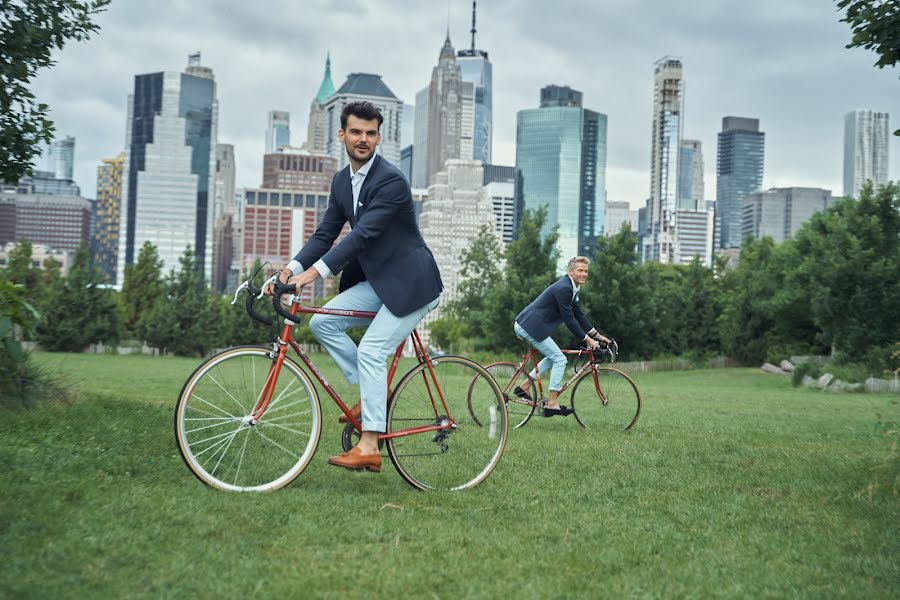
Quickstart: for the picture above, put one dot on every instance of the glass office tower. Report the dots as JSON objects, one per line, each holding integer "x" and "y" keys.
{"x": 561, "y": 165}
{"x": 739, "y": 173}
{"x": 169, "y": 167}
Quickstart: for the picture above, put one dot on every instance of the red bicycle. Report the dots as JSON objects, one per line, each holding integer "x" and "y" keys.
{"x": 602, "y": 397}
{"x": 249, "y": 418}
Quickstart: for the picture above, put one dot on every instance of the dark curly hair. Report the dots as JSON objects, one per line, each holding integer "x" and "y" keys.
{"x": 363, "y": 110}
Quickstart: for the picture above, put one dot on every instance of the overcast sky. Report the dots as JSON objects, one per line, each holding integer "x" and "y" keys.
{"x": 781, "y": 61}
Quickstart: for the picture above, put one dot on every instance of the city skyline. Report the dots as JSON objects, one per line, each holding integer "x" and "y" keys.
{"x": 785, "y": 66}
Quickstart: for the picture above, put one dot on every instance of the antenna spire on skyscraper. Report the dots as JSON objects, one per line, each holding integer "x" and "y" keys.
{"x": 473, "y": 26}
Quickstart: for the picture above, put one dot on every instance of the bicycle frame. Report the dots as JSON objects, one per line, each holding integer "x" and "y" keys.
{"x": 286, "y": 339}
{"x": 532, "y": 355}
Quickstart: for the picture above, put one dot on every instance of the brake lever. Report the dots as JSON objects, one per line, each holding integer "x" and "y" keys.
{"x": 237, "y": 292}
{"x": 271, "y": 280}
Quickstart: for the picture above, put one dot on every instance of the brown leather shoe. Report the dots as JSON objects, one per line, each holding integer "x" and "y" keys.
{"x": 356, "y": 410}
{"x": 353, "y": 459}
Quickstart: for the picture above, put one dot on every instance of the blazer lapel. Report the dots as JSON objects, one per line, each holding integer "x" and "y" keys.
{"x": 345, "y": 193}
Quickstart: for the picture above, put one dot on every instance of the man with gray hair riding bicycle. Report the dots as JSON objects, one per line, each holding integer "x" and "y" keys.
{"x": 559, "y": 303}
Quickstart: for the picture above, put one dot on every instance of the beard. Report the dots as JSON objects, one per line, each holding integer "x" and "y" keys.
{"x": 357, "y": 154}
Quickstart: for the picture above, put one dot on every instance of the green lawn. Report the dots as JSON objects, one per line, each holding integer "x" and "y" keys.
{"x": 732, "y": 484}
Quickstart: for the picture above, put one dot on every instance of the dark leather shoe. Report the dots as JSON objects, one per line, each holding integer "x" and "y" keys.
{"x": 356, "y": 460}
{"x": 562, "y": 411}
{"x": 356, "y": 410}
{"x": 521, "y": 394}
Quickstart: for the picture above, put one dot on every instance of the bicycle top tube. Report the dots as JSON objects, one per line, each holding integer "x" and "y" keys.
{"x": 340, "y": 312}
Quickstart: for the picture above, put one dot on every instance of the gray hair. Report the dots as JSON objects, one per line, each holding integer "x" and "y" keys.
{"x": 579, "y": 259}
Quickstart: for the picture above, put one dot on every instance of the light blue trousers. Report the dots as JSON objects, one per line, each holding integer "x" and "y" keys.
{"x": 553, "y": 358}
{"x": 366, "y": 365}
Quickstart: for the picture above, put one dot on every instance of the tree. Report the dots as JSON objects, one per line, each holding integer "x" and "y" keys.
{"x": 21, "y": 270}
{"x": 766, "y": 310}
{"x": 876, "y": 26}
{"x": 141, "y": 288}
{"x": 850, "y": 269}
{"x": 700, "y": 305}
{"x": 180, "y": 320}
{"x": 80, "y": 314}
{"x": 617, "y": 297}
{"x": 29, "y": 32}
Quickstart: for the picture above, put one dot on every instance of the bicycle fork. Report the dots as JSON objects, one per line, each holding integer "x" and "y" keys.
{"x": 265, "y": 397}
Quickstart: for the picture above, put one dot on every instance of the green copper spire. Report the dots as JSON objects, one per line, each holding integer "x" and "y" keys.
{"x": 326, "y": 90}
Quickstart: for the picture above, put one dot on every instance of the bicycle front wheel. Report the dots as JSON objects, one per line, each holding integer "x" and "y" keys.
{"x": 606, "y": 399}
{"x": 216, "y": 437}
{"x": 454, "y": 390}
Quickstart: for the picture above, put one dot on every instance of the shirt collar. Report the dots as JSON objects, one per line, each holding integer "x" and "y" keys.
{"x": 363, "y": 170}
{"x": 575, "y": 288}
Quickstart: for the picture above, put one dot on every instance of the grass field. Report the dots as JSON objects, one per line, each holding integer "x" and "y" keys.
{"x": 733, "y": 484}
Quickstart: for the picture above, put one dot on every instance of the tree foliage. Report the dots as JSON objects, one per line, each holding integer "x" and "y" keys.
{"x": 30, "y": 30}
{"x": 850, "y": 268}
{"x": 142, "y": 286}
{"x": 81, "y": 312}
{"x": 180, "y": 321}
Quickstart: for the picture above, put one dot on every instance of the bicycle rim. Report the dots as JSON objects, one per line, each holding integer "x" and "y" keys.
{"x": 449, "y": 459}
{"x": 611, "y": 402}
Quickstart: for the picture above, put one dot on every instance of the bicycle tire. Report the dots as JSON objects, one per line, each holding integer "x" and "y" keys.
{"x": 450, "y": 459}
{"x": 519, "y": 410}
{"x": 206, "y": 407}
{"x": 615, "y": 406}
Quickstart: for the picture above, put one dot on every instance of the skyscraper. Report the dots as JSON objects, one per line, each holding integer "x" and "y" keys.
{"x": 779, "y": 212}
{"x": 561, "y": 164}
{"x": 477, "y": 69}
{"x": 690, "y": 176}
{"x": 668, "y": 105}
{"x": 317, "y": 132}
{"x": 867, "y": 135}
{"x": 170, "y": 163}
{"x": 739, "y": 173}
{"x": 369, "y": 87}
{"x": 420, "y": 139}
{"x": 278, "y": 130}
{"x": 445, "y": 106}
{"x": 105, "y": 245}
{"x": 452, "y": 216}
{"x": 225, "y": 210}
{"x": 61, "y": 158}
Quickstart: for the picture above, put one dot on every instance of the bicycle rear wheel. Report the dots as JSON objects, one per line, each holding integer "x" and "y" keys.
{"x": 520, "y": 410}
{"x": 449, "y": 459}
{"x": 606, "y": 399}
{"x": 216, "y": 438}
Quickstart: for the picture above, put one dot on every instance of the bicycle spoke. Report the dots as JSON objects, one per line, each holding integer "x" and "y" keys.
{"x": 221, "y": 410}
{"x": 279, "y": 426}
{"x": 273, "y": 442}
{"x": 241, "y": 406}
{"x": 208, "y": 426}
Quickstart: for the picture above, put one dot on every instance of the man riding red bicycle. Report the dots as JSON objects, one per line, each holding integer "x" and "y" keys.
{"x": 559, "y": 303}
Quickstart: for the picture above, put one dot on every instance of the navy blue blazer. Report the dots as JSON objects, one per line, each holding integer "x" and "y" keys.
{"x": 384, "y": 246}
{"x": 555, "y": 305}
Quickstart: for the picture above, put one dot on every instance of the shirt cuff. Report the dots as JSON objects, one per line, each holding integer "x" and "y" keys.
{"x": 322, "y": 268}
{"x": 592, "y": 332}
{"x": 295, "y": 267}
